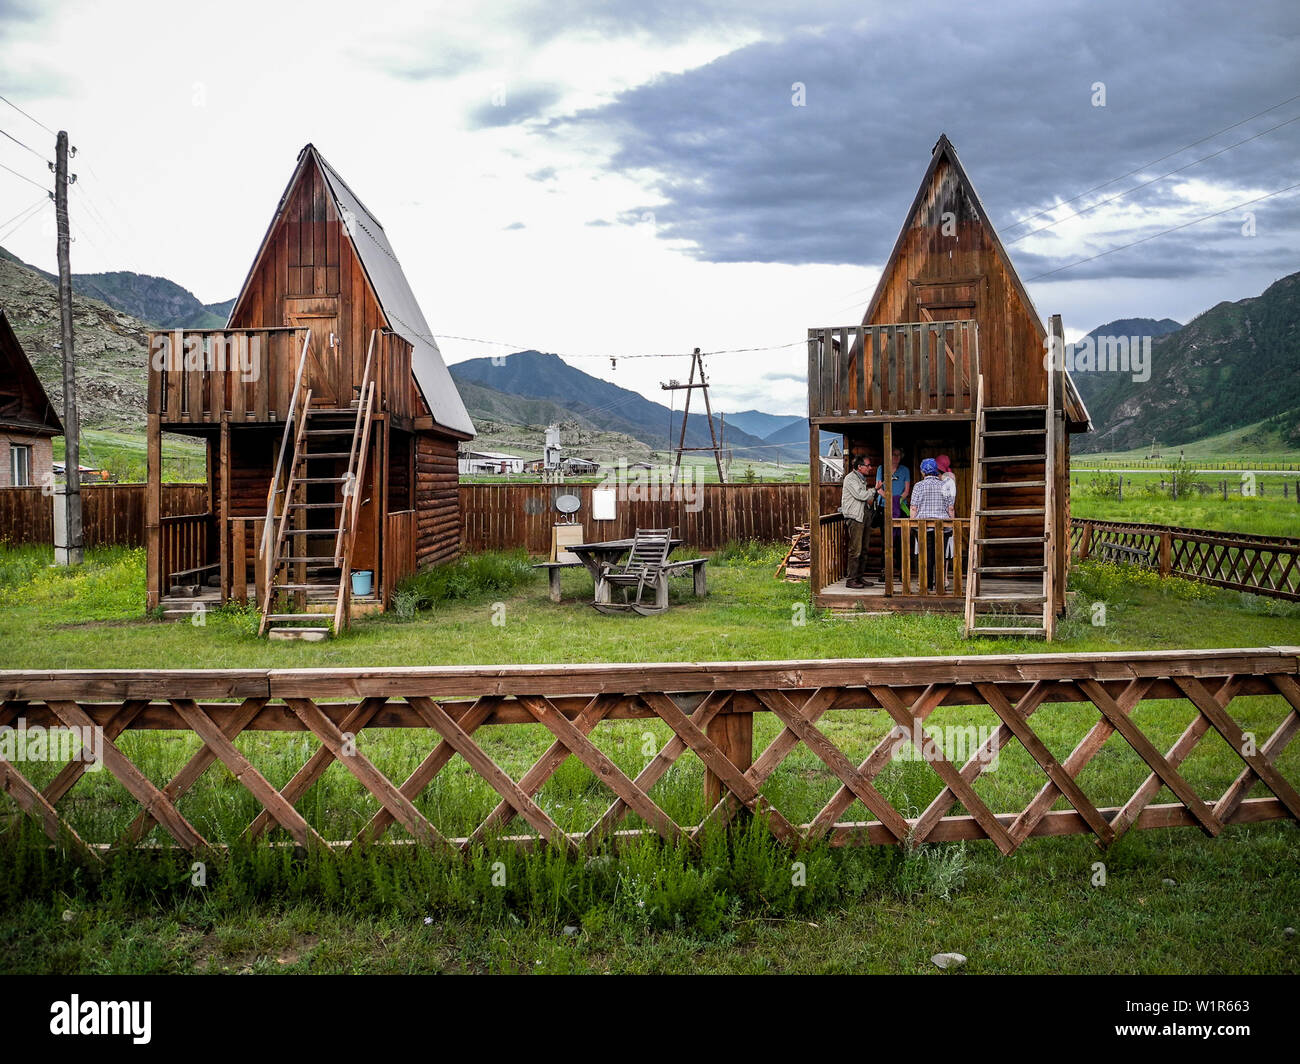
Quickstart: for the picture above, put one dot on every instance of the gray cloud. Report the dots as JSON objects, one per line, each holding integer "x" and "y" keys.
{"x": 518, "y": 104}
{"x": 513, "y": 225}
{"x": 746, "y": 176}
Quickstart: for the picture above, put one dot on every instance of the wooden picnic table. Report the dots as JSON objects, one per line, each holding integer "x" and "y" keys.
{"x": 595, "y": 556}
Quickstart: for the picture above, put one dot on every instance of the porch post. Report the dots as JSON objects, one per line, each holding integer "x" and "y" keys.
{"x": 814, "y": 511}
{"x": 887, "y": 481}
{"x": 152, "y": 509}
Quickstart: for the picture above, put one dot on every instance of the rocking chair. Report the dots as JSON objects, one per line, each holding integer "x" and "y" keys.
{"x": 645, "y": 568}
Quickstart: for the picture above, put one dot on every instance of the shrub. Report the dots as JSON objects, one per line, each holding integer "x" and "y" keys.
{"x": 471, "y": 577}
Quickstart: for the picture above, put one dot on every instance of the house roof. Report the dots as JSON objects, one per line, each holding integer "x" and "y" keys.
{"x": 1075, "y": 412}
{"x": 495, "y": 455}
{"x": 391, "y": 288}
{"x": 23, "y": 402}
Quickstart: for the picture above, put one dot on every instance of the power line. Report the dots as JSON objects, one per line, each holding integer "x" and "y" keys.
{"x": 23, "y": 176}
{"x": 1144, "y": 184}
{"x": 1164, "y": 232}
{"x": 28, "y": 147}
{"x": 29, "y": 117}
{"x": 1170, "y": 155}
{"x": 31, "y": 212}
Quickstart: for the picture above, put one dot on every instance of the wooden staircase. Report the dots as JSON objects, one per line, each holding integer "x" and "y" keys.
{"x": 1009, "y": 589}
{"x": 312, "y": 514}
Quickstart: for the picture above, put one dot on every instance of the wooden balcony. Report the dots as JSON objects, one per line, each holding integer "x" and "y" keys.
{"x": 882, "y": 372}
{"x": 201, "y": 375}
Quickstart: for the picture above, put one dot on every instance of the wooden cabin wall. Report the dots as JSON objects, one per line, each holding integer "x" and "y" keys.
{"x": 949, "y": 273}
{"x": 437, "y": 499}
{"x": 310, "y": 254}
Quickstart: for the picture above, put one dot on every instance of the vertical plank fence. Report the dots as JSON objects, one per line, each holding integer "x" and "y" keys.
{"x": 112, "y": 514}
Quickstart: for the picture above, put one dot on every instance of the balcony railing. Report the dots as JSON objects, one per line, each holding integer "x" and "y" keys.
{"x": 199, "y": 375}
{"x": 922, "y": 367}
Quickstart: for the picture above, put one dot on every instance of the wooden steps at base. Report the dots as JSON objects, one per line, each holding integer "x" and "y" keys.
{"x": 306, "y": 635}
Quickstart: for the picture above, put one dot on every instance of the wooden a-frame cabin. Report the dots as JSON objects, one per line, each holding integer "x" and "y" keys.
{"x": 330, "y": 420}
{"x": 950, "y": 358}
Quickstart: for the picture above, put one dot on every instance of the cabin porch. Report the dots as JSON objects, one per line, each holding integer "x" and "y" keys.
{"x": 900, "y": 551}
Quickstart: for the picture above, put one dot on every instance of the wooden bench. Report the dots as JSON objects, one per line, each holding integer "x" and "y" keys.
{"x": 697, "y": 567}
{"x": 553, "y": 571}
{"x": 191, "y": 580}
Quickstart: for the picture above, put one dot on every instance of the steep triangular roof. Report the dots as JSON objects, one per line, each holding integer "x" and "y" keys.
{"x": 23, "y": 402}
{"x": 391, "y": 288}
{"x": 944, "y": 150}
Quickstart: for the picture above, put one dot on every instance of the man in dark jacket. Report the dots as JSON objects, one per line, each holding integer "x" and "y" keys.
{"x": 858, "y": 505}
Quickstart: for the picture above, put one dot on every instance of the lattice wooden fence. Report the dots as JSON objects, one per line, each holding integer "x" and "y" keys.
{"x": 1262, "y": 565}
{"x": 710, "y": 710}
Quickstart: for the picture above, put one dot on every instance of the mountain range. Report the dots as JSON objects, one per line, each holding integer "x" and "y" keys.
{"x": 549, "y": 387}
{"x": 155, "y": 300}
{"x": 1231, "y": 368}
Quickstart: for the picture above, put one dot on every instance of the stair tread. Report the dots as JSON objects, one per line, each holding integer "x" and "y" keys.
{"x": 315, "y": 505}
{"x": 308, "y": 531}
{"x": 1011, "y": 568}
{"x": 320, "y": 480}
{"x": 309, "y": 558}
{"x": 1014, "y": 458}
{"x": 1016, "y": 484}
{"x": 1009, "y": 539}
{"x": 1011, "y": 432}
{"x": 1013, "y": 409}
{"x": 1021, "y": 511}
{"x": 300, "y": 617}
{"x": 1026, "y": 630}
{"x": 309, "y": 455}
{"x": 331, "y": 586}
{"x": 1010, "y": 598}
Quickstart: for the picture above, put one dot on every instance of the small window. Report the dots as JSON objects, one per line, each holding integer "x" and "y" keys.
{"x": 20, "y": 465}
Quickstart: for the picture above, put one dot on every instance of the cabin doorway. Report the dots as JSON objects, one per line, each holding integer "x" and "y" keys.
{"x": 323, "y": 372}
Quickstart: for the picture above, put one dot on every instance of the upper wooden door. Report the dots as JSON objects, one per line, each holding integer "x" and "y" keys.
{"x": 325, "y": 373}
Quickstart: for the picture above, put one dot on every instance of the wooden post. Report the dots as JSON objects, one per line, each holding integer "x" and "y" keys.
{"x": 1085, "y": 540}
{"x": 1166, "y": 553}
{"x": 887, "y": 481}
{"x": 71, "y": 551}
{"x": 222, "y": 509}
{"x": 815, "y": 574}
{"x": 734, "y": 735}
{"x": 152, "y": 510}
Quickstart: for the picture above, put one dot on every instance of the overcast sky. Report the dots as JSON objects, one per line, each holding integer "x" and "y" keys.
{"x": 635, "y": 176}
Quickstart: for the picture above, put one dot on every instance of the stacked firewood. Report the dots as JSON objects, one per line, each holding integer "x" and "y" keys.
{"x": 798, "y": 559}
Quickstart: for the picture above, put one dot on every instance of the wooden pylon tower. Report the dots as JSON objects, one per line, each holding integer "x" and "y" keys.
{"x": 703, "y": 384}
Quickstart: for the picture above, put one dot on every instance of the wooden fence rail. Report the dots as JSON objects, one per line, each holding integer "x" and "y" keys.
{"x": 707, "y": 516}
{"x": 112, "y": 514}
{"x": 709, "y": 708}
{"x": 1262, "y": 565}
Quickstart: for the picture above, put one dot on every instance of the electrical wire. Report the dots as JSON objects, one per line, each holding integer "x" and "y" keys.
{"x": 37, "y": 184}
{"x": 1144, "y": 184}
{"x": 29, "y": 117}
{"x": 26, "y": 147}
{"x": 1163, "y": 232}
{"x": 1139, "y": 169}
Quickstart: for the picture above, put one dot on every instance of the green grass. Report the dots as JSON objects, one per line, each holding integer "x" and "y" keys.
{"x": 1092, "y": 495}
{"x": 125, "y": 454}
{"x": 733, "y": 908}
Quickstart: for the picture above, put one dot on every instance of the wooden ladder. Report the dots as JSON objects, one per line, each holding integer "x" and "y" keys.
{"x": 308, "y": 578}
{"x": 1009, "y": 589}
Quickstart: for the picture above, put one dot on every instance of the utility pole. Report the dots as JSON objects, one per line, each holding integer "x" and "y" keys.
{"x": 68, "y": 548}
{"x": 691, "y": 385}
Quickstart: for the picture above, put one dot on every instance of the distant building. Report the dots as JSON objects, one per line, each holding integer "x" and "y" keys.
{"x": 578, "y": 467}
{"x": 480, "y": 463}
{"x": 28, "y": 422}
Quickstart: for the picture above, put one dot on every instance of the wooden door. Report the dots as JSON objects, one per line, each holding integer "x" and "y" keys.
{"x": 323, "y": 373}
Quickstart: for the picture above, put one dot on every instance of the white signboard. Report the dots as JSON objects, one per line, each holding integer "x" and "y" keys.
{"x": 603, "y": 506}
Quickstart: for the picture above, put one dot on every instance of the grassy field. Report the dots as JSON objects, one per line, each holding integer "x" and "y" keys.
{"x": 124, "y": 453}
{"x": 1268, "y": 513}
{"x": 735, "y": 907}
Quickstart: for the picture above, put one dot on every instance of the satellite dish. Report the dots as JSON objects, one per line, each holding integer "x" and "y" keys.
{"x": 568, "y": 504}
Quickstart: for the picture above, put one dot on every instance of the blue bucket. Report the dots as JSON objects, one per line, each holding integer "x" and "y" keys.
{"x": 362, "y": 580}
